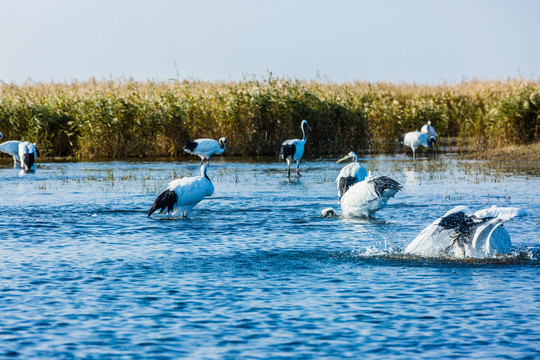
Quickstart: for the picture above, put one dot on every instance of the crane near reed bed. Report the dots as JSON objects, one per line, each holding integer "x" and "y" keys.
{"x": 292, "y": 150}
{"x": 205, "y": 148}
{"x": 181, "y": 195}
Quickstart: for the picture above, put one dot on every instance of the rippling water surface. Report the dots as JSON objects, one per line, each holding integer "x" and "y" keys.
{"x": 255, "y": 272}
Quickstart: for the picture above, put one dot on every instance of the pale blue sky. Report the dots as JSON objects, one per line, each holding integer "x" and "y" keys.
{"x": 413, "y": 41}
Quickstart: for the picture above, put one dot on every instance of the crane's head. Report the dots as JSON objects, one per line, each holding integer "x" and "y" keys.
{"x": 222, "y": 142}
{"x": 329, "y": 213}
{"x": 350, "y": 155}
{"x": 305, "y": 124}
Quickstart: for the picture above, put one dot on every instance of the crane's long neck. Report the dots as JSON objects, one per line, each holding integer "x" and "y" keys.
{"x": 304, "y": 133}
{"x": 203, "y": 171}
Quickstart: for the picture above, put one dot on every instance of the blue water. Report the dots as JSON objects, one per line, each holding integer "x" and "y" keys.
{"x": 255, "y": 272}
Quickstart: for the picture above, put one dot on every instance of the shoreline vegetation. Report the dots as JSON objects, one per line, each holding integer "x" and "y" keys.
{"x": 526, "y": 158}
{"x": 130, "y": 119}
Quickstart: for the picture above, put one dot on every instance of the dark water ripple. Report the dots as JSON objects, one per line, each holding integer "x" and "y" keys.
{"x": 255, "y": 272}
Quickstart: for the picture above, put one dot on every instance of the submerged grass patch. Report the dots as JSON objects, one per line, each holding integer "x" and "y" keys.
{"x": 519, "y": 158}
{"x": 124, "y": 118}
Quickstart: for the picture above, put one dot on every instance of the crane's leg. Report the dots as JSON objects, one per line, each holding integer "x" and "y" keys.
{"x": 298, "y": 168}
{"x": 288, "y": 168}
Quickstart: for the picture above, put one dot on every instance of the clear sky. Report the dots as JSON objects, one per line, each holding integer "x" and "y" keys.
{"x": 422, "y": 41}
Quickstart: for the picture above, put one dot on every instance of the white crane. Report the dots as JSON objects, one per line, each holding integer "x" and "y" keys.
{"x": 350, "y": 174}
{"x": 204, "y": 148}
{"x": 414, "y": 139}
{"x": 460, "y": 233}
{"x": 27, "y": 156}
{"x": 292, "y": 150}
{"x": 181, "y": 195}
{"x": 366, "y": 197}
{"x": 15, "y": 148}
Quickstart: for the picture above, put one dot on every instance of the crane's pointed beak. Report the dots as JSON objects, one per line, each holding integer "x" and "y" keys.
{"x": 343, "y": 159}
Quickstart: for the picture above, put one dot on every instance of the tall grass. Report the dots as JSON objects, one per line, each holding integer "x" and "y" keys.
{"x": 125, "y": 118}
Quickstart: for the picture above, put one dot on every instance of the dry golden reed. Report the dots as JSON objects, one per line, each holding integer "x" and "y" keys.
{"x": 125, "y": 118}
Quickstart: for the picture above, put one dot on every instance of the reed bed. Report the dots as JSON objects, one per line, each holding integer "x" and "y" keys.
{"x": 125, "y": 118}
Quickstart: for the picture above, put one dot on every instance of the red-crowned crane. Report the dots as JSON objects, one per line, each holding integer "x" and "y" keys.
{"x": 181, "y": 195}
{"x": 366, "y": 197}
{"x": 292, "y": 150}
{"x": 204, "y": 148}
{"x": 461, "y": 233}
{"x": 414, "y": 139}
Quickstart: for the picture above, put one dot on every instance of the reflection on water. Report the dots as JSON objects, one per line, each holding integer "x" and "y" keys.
{"x": 255, "y": 271}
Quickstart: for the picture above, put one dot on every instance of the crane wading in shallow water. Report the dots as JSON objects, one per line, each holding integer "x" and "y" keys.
{"x": 350, "y": 174}
{"x": 414, "y": 139}
{"x": 460, "y": 233}
{"x": 365, "y": 197}
{"x": 204, "y": 148}
{"x": 292, "y": 150}
{"x": 181, "y": 195}
{"x": 15, "y": 148}
{"x": 368, "y": 196}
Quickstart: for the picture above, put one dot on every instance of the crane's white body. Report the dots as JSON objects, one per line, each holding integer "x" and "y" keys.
{"x": 477, "y": 235}
{"x": 12, "y": 148}
{"x": 368, "y": 196}
{"x": 415, "y": 139}
{"x": 299, "y": 149}
{"x": 181, "y": 195}
{"x": 350, "y": 174}
{"x": 205, "y": 148}
{"x": 293, "y": 150}
{"x": 190, "y": 191}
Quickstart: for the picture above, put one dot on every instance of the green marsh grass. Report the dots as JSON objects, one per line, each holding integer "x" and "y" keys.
{"x": 124, "y": 118}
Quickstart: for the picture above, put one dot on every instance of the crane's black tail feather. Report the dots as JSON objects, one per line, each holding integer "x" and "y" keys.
{"x": 190, "y": 145}
{"x": 167, "y": 199}
{"x": 286, "y": 150}
{"x": 382, "y": 183}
